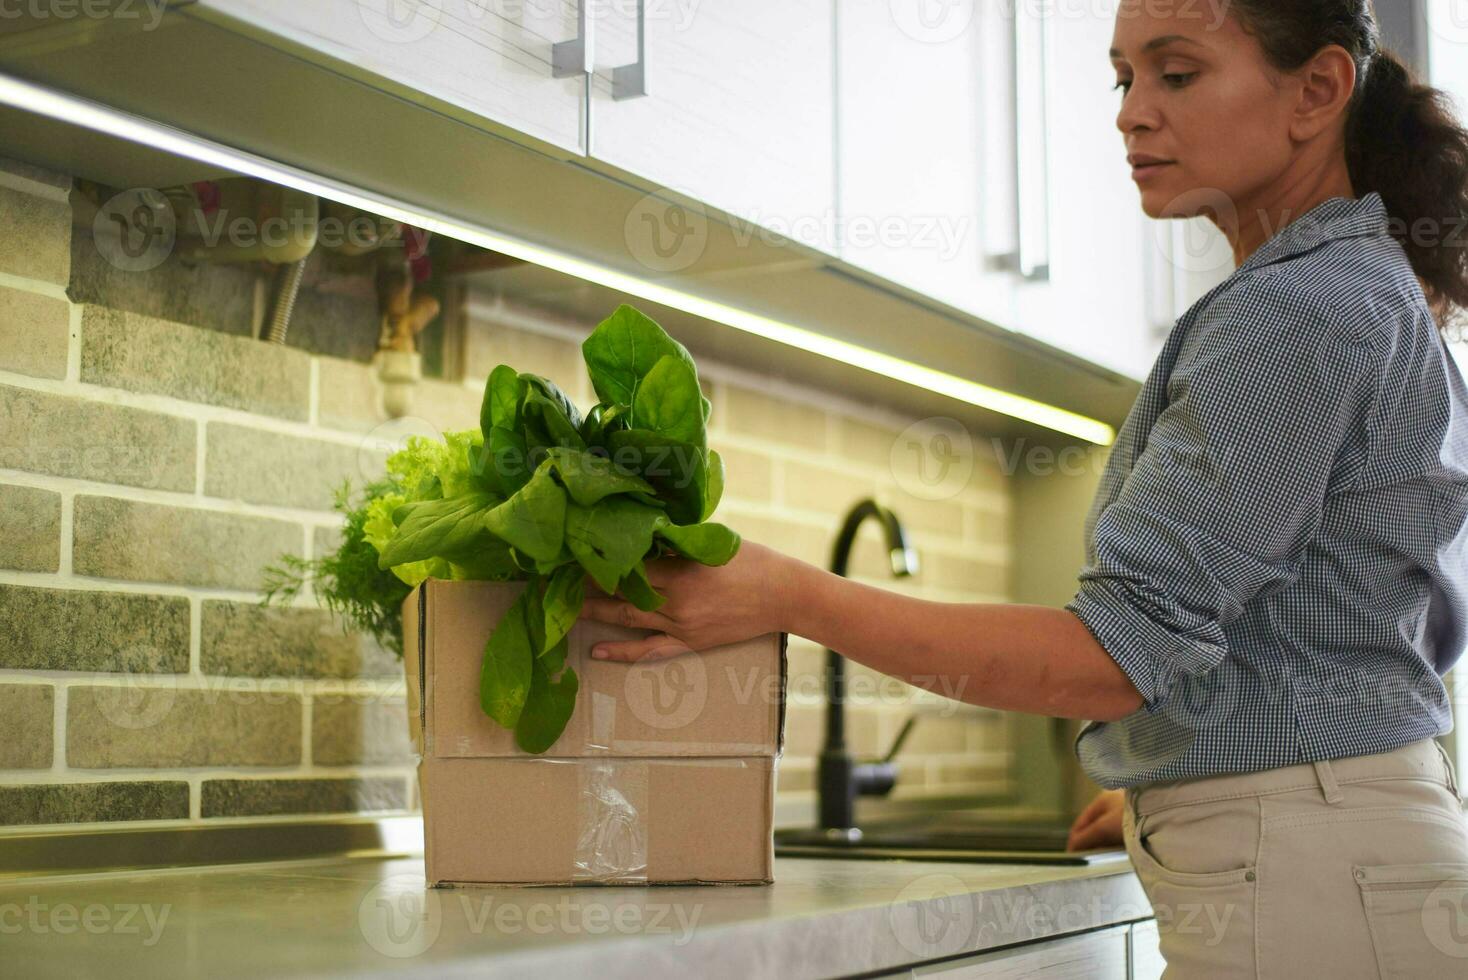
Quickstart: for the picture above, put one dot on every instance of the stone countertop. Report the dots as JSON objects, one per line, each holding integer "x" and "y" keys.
{"x": 374, "y": 917}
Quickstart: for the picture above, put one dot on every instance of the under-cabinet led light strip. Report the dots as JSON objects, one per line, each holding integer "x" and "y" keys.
{"x": 43, "y": 101}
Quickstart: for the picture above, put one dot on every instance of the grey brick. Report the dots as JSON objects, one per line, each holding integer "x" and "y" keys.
{"x": 243, "y": 639}
{"x": 93, "y": 803}
{"x": 269, "y": 797}
{"x": 33, "y": 333}
{"x": 124, "y": 539}
{"x": 30, "y": 529}
{"x": 487, "y": 344}
{"x": 26, "y": 723}
{"x": 66, "y": 629}
{"x": 350, "y": 397}
{"x": 325, "y": 540}
{"x": 64, "y": 435}
{"x": 35, "y": 237}
{"x": 157, "y": 725}
{"x": 140, "y": 353}
{"x": 353, "y": 730}
{"x": 451, "y": 407}
{"x": 281, "y": 470}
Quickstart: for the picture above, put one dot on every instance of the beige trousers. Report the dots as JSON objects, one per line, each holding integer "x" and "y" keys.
{"x": 1355, "y": 867}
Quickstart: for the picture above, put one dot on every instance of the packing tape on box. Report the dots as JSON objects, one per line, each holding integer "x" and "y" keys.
{"x": 611, "y": 844}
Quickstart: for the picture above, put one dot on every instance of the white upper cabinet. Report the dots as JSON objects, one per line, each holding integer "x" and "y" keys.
{"x": 915, "y": 172}
{"x": 731, "y": 104}
{"x": 492, "y": 60}
{"x": 1114, "y": 280}
{"x": 1092, "y": 298}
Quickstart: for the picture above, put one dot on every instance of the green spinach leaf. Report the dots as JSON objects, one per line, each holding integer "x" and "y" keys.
{"x": 534, "y": 519}
{"x": 505, "y": 674}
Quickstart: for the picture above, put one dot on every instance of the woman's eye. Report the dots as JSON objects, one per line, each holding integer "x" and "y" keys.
{"x": 1123, "y": 84}
{"x": 1179, "y": 79}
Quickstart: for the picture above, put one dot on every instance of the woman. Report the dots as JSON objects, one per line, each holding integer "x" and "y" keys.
{"x": 1277, "y": 558}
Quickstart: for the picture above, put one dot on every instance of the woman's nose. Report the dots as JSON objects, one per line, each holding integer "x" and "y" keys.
{"x": 1135, "y": 113}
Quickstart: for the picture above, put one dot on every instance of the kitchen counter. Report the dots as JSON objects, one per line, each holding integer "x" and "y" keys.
{"x": 373, "y": 916}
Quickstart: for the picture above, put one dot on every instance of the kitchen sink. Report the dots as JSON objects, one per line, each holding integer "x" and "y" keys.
{"x": 945, "y": 836}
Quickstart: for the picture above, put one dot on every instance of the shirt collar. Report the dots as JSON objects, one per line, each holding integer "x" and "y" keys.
{"x": 1336, "y": 217}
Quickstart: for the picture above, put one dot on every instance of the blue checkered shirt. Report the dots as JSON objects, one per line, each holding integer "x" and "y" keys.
{"x": 1277, "y": 554}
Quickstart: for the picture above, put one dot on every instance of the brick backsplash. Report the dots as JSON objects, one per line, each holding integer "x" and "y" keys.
{"x": 149, "y": 470}
{"x": 33, "y": 333}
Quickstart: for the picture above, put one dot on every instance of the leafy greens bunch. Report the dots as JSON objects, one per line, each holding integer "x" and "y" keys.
{"x": 548, "y": 495}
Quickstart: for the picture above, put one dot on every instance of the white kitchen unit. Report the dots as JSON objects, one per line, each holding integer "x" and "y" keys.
{"x": 920, "y": 169}
{"x": 730, "y": 104}
{"x": 1447, "y": 48}
{"x": 1084, "y": 256}
{"x": 1185, "y": 259}
{"x": 495, "y": 61}
{"x": 1144, "y": 954}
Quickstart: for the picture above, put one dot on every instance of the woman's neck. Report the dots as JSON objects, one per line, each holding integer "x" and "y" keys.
{"x": 1266, "y": 214}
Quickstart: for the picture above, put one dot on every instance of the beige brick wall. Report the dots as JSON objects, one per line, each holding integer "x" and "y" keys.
{"x": 148, "y": 471}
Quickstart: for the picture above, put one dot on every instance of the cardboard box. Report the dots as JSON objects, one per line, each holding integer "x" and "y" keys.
{"x": 665, "y": 773}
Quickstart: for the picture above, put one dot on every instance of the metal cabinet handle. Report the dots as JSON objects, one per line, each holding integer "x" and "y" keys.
{"x": 1031, "y": 145}
{"x": 630, "y": 81}
{"x": 573, "y": 57}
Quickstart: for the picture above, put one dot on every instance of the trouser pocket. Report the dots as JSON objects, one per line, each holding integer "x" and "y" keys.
{"x": 1205, "y": 917}
{"x": 1418, "y": 917}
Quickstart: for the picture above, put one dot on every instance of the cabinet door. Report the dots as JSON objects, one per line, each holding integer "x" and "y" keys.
{"x": 913, "y": 90}
{"x": 492, "y": 60}
{"x": 733, "y": 107}
{"x": 1098, "y": 955}
{"x": 1093, "y": 299}
{"x": 1186, "y": 258}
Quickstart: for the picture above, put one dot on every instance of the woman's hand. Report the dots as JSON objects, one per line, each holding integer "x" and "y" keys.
{"x": 1099, "y": 824}
{"x": 707, "y": 605}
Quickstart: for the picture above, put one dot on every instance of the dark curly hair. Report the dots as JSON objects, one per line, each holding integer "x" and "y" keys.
{"x": 1403, "y": 138}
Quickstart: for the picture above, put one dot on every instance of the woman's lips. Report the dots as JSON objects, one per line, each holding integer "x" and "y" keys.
{"x": 1146, "y": 170}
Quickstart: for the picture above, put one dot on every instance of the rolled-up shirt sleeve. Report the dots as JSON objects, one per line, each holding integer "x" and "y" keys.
{"x": 1265, "y": 399}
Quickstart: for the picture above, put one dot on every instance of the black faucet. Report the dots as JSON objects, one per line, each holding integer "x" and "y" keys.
{"x": 841, "y": 778}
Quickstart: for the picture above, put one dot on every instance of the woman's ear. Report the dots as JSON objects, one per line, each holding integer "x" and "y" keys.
{"x": 1327, "y": 82}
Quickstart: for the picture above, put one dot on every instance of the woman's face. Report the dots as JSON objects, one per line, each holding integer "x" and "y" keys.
{"x": 1204, "y": 116}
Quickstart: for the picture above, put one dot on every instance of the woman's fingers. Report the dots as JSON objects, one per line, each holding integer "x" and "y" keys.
{"x": 659, "y": 646}
{"x": 620, "y": 612}
{"x": 1099, "y": 824}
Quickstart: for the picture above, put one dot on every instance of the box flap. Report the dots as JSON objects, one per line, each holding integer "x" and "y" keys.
{"x": 724, "y": 702}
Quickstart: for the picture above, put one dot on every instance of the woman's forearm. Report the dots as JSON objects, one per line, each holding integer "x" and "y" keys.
{"x": 1015, "y": 657}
